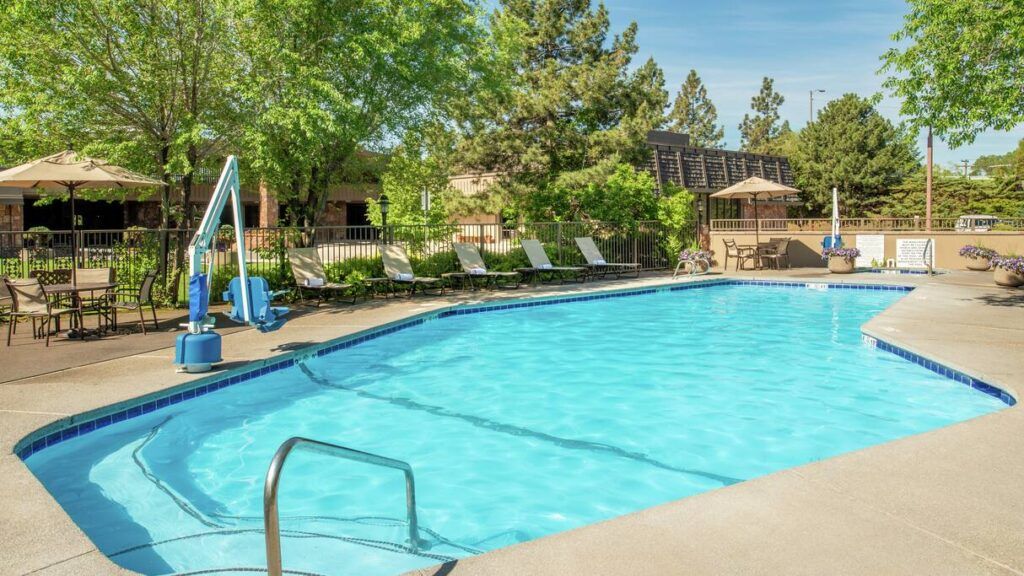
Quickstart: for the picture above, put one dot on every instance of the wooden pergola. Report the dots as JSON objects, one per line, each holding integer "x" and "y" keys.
{"x": 704, "y": 171}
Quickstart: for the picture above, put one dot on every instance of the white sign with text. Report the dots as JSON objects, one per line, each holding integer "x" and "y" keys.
{"x": 915, "y": 253}
{"x": 872, "y": 250}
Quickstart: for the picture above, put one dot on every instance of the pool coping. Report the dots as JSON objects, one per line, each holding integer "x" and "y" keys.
{"x": 520, "y": 555}
{"x": 93, "y": 420}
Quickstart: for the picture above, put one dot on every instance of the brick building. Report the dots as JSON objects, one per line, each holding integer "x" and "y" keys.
{"x": 18, "y": 209}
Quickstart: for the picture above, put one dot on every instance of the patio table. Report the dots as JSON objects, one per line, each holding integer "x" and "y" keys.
{"x": 76, "y": 291}
{"x": 754, "y": 249}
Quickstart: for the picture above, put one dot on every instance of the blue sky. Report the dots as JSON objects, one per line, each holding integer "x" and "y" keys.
{"x": 830, "y": 44}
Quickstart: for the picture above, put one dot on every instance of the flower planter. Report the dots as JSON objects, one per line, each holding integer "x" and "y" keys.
{"x": 840, "y": 265}
{"x": 1007, "y": 278}
{"x": 979, "y": 264}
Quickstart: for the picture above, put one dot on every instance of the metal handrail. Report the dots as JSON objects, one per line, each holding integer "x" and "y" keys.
{"x": 271, "y": 521}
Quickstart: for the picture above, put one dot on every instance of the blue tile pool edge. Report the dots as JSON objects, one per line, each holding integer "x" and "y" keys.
{"x": 942, "y": 370}
{"x": 77, "y": 425}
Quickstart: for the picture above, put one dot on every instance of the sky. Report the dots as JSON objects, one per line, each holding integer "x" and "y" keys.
{"x": 833, "y": 45}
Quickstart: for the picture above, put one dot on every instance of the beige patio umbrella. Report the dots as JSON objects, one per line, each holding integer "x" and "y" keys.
{"x": 755, "y": 189}
{"x": 71, "y": 171}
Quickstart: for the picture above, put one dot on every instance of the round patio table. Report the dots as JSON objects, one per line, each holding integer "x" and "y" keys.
{"x": 76, "y": 291}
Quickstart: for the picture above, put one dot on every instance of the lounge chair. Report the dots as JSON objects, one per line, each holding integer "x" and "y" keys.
{"x": 399, "y": 271}
{"x": 473, "y": 268}
{"x": 29, "y": 300}
{"x": 310, "y": 278}
{"x": 541, "y": 266}
{"x": 137, "y": 300}
{"x": 598, "y": 265}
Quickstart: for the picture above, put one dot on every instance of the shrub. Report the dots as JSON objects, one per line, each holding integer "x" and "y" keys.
{"x": 38, "y": 235}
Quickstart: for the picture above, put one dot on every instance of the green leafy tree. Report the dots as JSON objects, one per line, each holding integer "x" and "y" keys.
{"x": 993, "y": 165}
{"x": 328, "y": 79}
{"x": 693, "y": 113}
{"x": 952, "y": 196}
{"x": 760, "y": 130}
{"x": 421, "y": 164}
{"x": 143, "y": 84}
{"x": 958, "y": 66}
{"x": 572, "y": 102}
{"x": 676, "y": 214}
{"x": 853, "y": 147}
{"x": 607, "y": 192}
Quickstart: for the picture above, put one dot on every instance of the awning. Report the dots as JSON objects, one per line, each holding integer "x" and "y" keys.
{"x": 11, "y": 196}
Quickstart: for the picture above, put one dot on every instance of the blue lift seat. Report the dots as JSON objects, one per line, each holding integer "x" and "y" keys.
{"x": 265, "y": 317}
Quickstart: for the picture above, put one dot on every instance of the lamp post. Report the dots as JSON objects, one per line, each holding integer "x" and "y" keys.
{"x": 385, "y": 203}
{"x": 810, "y": 104}
{"x": 701, "y": 199}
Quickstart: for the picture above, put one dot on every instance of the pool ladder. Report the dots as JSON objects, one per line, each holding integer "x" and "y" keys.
{"x": 271, "y": 521}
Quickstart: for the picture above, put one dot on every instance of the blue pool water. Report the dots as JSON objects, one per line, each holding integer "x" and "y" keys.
{"x": 518, "y": 423}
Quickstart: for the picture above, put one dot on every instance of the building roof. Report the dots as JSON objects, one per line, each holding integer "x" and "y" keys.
{"x": 708, "y": 169}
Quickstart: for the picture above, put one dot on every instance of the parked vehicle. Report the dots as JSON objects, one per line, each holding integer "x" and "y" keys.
{"x": 976, "y": 223}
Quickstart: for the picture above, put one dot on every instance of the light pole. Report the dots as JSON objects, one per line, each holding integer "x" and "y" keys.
{"x": 385, "y": 203}
{"x": 810, "y": 104}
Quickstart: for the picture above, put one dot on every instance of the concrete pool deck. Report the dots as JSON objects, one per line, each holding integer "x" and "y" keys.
{"x": 944, "y": 502}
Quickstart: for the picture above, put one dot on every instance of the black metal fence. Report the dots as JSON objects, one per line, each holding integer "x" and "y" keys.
{"x": 343, "y": 249}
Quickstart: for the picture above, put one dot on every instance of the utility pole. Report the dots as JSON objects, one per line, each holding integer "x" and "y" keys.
{"x": 965, "y": 163}
{"x": 928, "y": 184}
{"x": 810, "y": 105}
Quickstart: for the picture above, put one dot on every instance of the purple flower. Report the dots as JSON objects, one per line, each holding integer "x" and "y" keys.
{"x": 692, "y": 255}
{"x": 1013, "y": 264}
{"x": 971, "y": 251}
{"x": 845, "y": 253}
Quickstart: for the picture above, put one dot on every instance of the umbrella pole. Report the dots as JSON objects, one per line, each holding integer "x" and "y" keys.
{"x": 74, "y": 239}
{"x": 757, "y": 224}
{"x": 757, "y": 237}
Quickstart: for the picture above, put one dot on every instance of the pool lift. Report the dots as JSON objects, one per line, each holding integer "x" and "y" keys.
{"x": 250, "y": 298}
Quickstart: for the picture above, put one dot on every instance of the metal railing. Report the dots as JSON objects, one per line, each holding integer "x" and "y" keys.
{"x": 132, "y": 252}
{"x": 271, "y": 520}
{"x": 853, "y": 224}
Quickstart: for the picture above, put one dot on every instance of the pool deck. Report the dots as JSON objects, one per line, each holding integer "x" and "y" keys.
{"x": 948, "y": 501}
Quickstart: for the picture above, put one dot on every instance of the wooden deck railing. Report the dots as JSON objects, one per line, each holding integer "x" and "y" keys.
{"x": 852, "y": 225}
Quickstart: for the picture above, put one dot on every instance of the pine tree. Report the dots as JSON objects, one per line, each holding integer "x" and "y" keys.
{"x": 758, "y": 131}
{"x": 854, "y": 148}
{"x": 573, "y": 101}
{"x": 693, "y": 113}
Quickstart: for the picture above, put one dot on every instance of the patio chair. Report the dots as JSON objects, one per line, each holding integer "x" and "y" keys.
{"x": 310, "y": 278}
{"x": 57, "y": 276}
{"x": 96, "y": 302}
{"x": 473, "y": 268}
{"x": 29, "y": 300}
{"x": 776, "y": 253}
{"x": 137, "y": 300}
{"x": 541, "y": 266}
{"x": 597, "y": 263}
{"x": 399, "y": 271}
{"x": 741, "y": 254}
{"x": 6, "y": 301}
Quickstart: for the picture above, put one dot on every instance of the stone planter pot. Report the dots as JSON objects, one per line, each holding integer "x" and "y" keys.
{"x": 979, "y": 264}
{"x": 1006, "y": 278}
{"x": 840, "y": 265}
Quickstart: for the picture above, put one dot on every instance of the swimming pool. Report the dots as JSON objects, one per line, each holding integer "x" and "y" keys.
{"x": 518, "y": 423}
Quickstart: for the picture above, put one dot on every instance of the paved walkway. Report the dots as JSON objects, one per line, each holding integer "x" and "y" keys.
{"x": 944, "y": 502}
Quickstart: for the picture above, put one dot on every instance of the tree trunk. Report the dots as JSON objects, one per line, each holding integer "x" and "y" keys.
{"x": 165, "y": 213}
